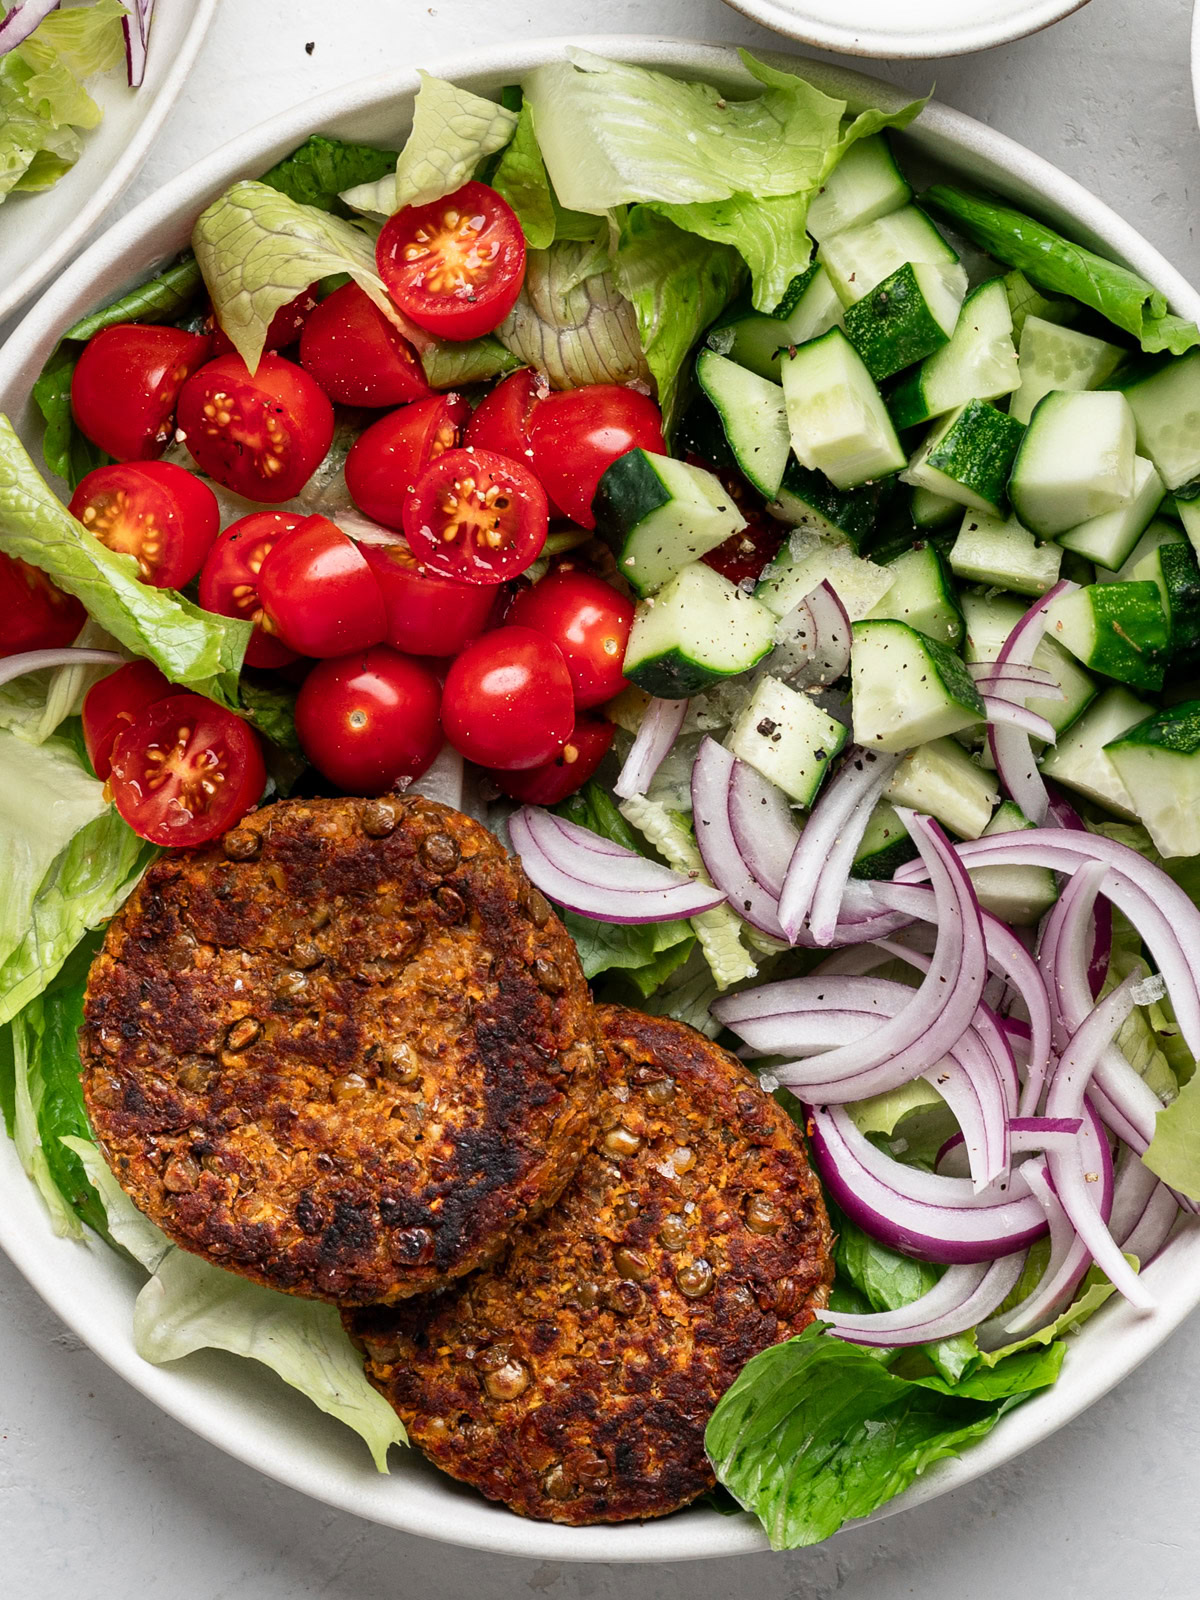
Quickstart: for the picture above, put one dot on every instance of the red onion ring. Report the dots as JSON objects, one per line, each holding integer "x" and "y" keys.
{"x": 962, "y": 1297}
{"x": 1012, "y": 715}
{"x": 24, "y": 17}
{"x": 831, "y": 648}
{"x": 1010, "y": 747}
{"x": 1065, "y": 1269}
{"x": 994, "y": 676}
{"x": 68, "y": 656}
{"x": 656, "y": 734}
{"x": 712, "y": 774}
{"x": 760, "y": 815}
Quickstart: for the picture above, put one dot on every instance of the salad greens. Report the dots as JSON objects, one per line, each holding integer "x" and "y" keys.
{"x": 317, "y": 173}
{"x": 571, "y": 320}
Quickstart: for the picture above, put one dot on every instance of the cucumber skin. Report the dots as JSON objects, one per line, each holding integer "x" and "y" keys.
{"x": 629, "y": 482}
{"x": 1115, "y": 654}
{"x": 881, "y": 864}
{"x": 1181, "y": 573}
{"x": 989, "y": 458}
{"x": 1174, "y": 728}
{"x": 853, "y": 512}
{"x": 676, "y": 676}
{"x": 891, "y": 327}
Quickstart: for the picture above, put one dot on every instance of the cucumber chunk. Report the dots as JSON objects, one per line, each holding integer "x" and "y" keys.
{"x": 788, "y": 738}
{"x": 865, "y": 184}
{"x": 968, "y": 456}
{"x": 809, "y": 501}
{"x": 991, "y": 550}
{"x": 1167, "y": 407}
{"x": 1054, "y": 357}
{"x": 839, "y": 425}
{"x": 923, "y": 596}
{"x": 979, "y": 363}
{"x": 885, "y": 845}
{"x": 698, "y": 629}
{"x": 858, "y": 258}
{"x": 907, "y": 688}
{"x": 1119, "y": 629}
{"x": 795, "y": 573}
{"x": 1079, "y": 759}
{"x": 1019, "y": 896}
{"x": 1189, "y": 515}
{"x": 907, "y": 317}
{"x": 1109, "y": 539}
{"x": 754, "y": 338}
{"x": 659, "y": 514}
{"x": 1171, "y": 566}
{"x": 929, "y": 510}
{"x": 753, "y": 416}
{"x": 1158, "y": 761}
{"x": 1075, "y": 461}
{"x": 942, "y": 779}
{"x": 989, "y": 623}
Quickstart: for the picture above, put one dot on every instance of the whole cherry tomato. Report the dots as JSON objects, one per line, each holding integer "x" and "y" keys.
{"x": 319, "y": 593}
{"x": 476, "y": 517}
{"x": 286, "y": 326}
{"x": 369, "y": 719}
{"x": 184, "y": 770}
{"x": 507, "y": 701}
{"x": 588, "y": 621}
{"x": 385, "y": 462}
{"x": 229, "y": 581}
{"x": 34, "y": 615}
{"x": 578, "y": 434}
{"x": 126, "y": 387}
{"x": 456, "y": 265}
{"x": 112, "y": 704}
{"x": 586, "y": 747}
{"x": 426, "y": 615}
{"x": 262, "y": 436}
{"x": 502, "y": 420}
{"x": 357, "y": 356}
{"x": 161, "y": 514}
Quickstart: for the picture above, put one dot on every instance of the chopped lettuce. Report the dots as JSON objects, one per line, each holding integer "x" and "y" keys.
{"x": 1092, "y": 1293}
{"x": 189, "y": 1304}
{"x": 1174, "y": 1152}
{"x": 316, "y": 173}
{"x": 192, "y": 647}
{"x": 1058, "y": 266}
{"x": 521, "y": 178}
{"x": 453, "y": 130}
{"x": 448, "y": 365}
{"x": 571, "y": 320}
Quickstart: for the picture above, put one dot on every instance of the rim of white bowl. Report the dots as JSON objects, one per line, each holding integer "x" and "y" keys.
{"x": 1116, "y": 1340}
{"x": 790, "y": 17}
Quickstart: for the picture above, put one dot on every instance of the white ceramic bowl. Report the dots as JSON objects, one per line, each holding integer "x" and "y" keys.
{"x": 39, "y": 232}
{"x": 240, "y": 1407}
{"x": 920, "y": 29}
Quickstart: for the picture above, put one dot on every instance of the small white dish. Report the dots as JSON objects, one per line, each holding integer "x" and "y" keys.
{"x": 40, "y": 232}
{"x": 244, "y": 1409}
{"x": 919, "y": 29}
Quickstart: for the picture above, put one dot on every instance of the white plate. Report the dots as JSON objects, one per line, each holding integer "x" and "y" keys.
{"x": 39, "y": 232}
{"x": 915, "y": 28}
{"x": 240, "y": 1407}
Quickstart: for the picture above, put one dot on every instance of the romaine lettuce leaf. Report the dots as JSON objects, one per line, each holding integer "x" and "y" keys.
{"x": 448, "y": 365}
{"x": 1174, "y": 1152}
{"x": 316, "y": 173}
{"x": 521, "y": 178}
{"x": 190, "y": 646}
{"x": 189, "y": 1304}
{"x": 572, "y": 321}
{"x": 452, "y": 131}
{"x": 87, "y": 39}
{"x": 1092, "y": 1293}
{"x": 26, "y": 1032}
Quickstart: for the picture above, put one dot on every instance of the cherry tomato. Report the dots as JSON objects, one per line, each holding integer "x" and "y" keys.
{"x": 112, "y": 704}
{"x": 34, "y": 615}
{"x": 319, "y": 593}
{"x": 507, "y": 701}
{"x": 262, "y": 436}
{"x": 127, "y": 383}
{"x": 286, "y": 326}
{"x": 385, "y": 462}
{"x": 577, "y": 435}
{"x": 575, "y": 763}
{"x": 588, "y": 621}
{"x": 454, "y": 266}
{"x": 476, "y": 516}
{"x": 502, "y": 420}
{"x": 184, "y": 770}
{"x": 426, "y": 615}
{"x": 161, "y": 514}
{"x": 229, "y": 581}
{"x": 368, "y": 719}
{"x": 743, "y": 555}
{"x": 357, "y": 356}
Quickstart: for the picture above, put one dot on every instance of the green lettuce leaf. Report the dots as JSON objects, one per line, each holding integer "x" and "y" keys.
{"x": 1174, "y": 1152}
{"x": 190, "y": 646}
{"x": 521, "y": 179}
{"x": 448, "y": 366}
{"x": 1058, "y": 266}
{"x": 1019, "y": 1373}
{"x": 87, "y": 39}
{"x": 572, "y": 321}
{"x": 1093, "y": 1292}
{"x": 317, "y": 172}
{"x": 452, "y": 131}
{"x": 188, "y": 1304}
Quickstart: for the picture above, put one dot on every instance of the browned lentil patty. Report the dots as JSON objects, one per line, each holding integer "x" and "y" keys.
{"x": 573, "y": 1379}
{"x": 343, "y": 1050}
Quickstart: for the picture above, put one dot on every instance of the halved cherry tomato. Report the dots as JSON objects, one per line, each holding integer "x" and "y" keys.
{"x": 319, "y": 593}
{"x": 229, "y": 581}
{"x": 577, "y": 435}
{"x": 357, "y": 356}
{"x": 742, "y": 557}
{"x": 34, "y": 615}
{"x": 503, "y": 418}
{"x": 476, "y": 516}
{"x": 184, "y": 770}
{"x": 112, "y": 704}
{"x": 286, "y": 326}
{"x": 385, "y": 462}
{"x": 161, "y": 514}
{"x": 586, "y": 747}
{"x": 426, "y": 615}
{"x": 262, "y": 436}
{"x": 588, "y": 621}
{"x": 127, "y": 383}
{"x": 368, "y": 719}
{"x": 454, "y": 266}
{"x": 507, "y": 701}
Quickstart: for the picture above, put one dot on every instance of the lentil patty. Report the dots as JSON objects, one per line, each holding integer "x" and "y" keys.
{"x": 342, "y": 1051}
{"x": 573, "y": 1380}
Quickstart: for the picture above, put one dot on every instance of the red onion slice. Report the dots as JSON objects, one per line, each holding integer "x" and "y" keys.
{"x": 760, "y": 815}
{"x": 1010, "y": 747}
{"x": 1006, "y": 713}
{"x": 657, "y": 733}
{"x": 68, "y": 656}
{"x": 712, "y": 775}
{"x": 1065, "y": 1268}
{"x": 831, "y": 652}
{"x": 21, "y": 20}
{"x": 137, "y": 40}
{"x": 962, "y": 1297}
{"x": 624, "y": 888}
{"x": 994, "y": 675}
